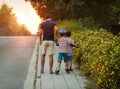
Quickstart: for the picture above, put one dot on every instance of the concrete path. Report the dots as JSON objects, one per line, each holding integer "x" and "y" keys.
{"x": 36, "y": 80}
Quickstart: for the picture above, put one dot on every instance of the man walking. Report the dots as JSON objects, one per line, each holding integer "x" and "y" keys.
{"x": 48, "y": 27}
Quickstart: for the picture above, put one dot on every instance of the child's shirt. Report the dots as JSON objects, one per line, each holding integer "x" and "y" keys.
{"x": 70, "y": 48}
{"x": 62, "y": 45}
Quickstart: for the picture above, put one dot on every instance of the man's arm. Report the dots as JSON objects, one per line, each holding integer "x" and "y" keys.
{"x": 56, "y": 32}
{"x": 41, "y": 36}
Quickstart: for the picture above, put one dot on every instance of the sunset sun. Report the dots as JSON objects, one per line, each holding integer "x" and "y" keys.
{"x": 31, "y": 20}
{"x": 20, "y": 18}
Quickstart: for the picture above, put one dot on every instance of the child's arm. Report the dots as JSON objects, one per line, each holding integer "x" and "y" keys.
{"x": 74, "y": 45}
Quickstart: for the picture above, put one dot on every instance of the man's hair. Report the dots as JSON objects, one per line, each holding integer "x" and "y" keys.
{"x": 48, "y": 16}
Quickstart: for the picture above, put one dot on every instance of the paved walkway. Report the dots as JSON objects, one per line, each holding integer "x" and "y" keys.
{"x": 61, "y": 81}
{"x": 35, "y": 80}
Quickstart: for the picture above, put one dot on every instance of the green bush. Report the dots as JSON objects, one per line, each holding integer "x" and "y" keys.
{"x": 98, "y": 55}
{"x": 80, "y": 24}
{"x": 72, "y": 25}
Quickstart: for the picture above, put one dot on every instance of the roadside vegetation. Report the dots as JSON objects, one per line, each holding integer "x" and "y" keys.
{"x": 98, "y": 55}
{"x": 8, "y": 23}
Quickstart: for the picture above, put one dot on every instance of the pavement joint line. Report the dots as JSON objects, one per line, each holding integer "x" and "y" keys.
{"x": 77, "y": 80}
{"x": 30, "y": 78}
{"x": 65, "y": 81}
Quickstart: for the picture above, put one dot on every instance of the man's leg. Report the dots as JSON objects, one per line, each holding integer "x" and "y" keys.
{"x": 42, "y": 63}
{"x": 51, "y": 50}
{"x": 51, "y": 62}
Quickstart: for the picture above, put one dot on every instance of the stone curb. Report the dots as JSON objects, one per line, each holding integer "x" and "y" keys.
{"x": 30, "y": 81}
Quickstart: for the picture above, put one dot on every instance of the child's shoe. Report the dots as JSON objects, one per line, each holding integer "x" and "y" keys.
{"x": 70, "y": 69}
{"x": 57, "y": 72}
{"x": 67, "y": 70}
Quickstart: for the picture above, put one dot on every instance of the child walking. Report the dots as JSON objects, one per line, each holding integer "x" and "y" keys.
{"x": 62, "y": 44}
{"x": 70, "y": 50}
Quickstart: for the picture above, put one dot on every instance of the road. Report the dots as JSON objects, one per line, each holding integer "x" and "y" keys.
{"x": 15, "y": 56}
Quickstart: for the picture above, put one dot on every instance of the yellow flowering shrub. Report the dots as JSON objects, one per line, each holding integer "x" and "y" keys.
{"x": 98, "y": 55}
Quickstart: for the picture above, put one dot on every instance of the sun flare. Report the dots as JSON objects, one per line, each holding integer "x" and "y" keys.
{"x": 30, "y": 20}
{"x": 20, "y": 18}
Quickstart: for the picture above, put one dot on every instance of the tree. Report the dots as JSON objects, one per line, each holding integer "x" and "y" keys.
{"x": 5, "y": 13}
{"x": 8, "y": 22}
{"x": 23, "y": 30}
{"x": 102, "y": 11}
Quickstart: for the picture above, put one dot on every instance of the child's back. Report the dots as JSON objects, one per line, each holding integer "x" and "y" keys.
{"x": 63, "y": 44}
{"x": 70, "y": 48}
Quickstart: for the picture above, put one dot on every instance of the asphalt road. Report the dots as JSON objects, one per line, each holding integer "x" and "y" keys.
{"x": 15, "y": 56}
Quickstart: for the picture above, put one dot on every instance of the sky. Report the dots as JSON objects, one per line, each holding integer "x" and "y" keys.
{"x": 25, "y": 14}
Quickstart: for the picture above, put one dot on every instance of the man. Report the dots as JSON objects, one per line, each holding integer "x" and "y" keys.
{"x": 48, "y": 27}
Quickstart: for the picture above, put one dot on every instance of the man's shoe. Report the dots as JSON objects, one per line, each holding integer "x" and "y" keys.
{"x": 57, "y": 72}
{"x": 41, "y": 71}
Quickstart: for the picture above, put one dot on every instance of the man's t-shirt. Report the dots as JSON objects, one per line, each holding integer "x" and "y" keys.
{"x": 48, "y": 28}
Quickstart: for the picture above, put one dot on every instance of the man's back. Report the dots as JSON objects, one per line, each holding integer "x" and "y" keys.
{"x": 48, "y": 29}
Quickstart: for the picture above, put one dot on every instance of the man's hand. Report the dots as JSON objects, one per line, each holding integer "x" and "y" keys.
{"x": 41, "y": 36}
{"x": 40, "y": 42}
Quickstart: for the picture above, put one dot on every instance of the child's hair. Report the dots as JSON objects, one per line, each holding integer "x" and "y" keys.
{"x": 68, "y": 34}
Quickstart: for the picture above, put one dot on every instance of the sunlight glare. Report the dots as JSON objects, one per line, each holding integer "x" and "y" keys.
{"x": 30, "y": 20}
{"x": 20, "y": 18}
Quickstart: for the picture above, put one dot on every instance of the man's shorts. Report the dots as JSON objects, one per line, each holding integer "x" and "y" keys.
{"x": 70, "y": 58}
{"x": 48, "y": 46}
{"x": 62, "y": 56}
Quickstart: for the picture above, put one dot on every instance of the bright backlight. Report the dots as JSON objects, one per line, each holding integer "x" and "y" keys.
{"x": 30, "y": 20}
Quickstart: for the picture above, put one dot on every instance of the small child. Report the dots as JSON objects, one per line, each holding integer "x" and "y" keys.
{"x": 70, "y": 50}
{"x": 62, "y": 44}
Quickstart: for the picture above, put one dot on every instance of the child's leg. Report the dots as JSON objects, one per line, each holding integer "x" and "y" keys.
{"x": 66, "y": 66}
{"x": 71, "y": 66}
{"x": 70, "y": 62}
{"x": 66, "y": 63}
{"x": 58, "y": 68}
{"x": 59, "y": 64}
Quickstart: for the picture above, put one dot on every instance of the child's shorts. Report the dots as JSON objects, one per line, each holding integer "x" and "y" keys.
{"x": 70, "y": 58}
{"x": 62, "y": 56}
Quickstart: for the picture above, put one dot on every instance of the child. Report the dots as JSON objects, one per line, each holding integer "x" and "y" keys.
{"x": 62, "y": 44}
{"x": 70, "y": 49}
